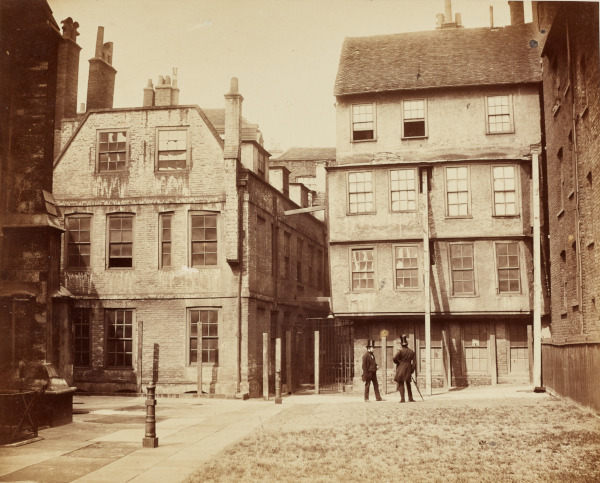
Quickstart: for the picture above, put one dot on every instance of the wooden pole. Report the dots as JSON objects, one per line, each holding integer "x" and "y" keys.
{"x": 288, "y": 361}
{"x": 316, "y": 362}
{"x": 492, "y": 352}
{"x": 140, "y": 345}
{"x": 384, "y": 363}
{"x": 266, "y": 366}
{"x": 426, "y": 282}
{"x": 537, "y": 273}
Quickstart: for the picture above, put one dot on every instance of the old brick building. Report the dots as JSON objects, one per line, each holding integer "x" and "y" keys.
{"x": 572, "y": 115}
{"x": 38, "y": 78}
{"x": 177, "y": 249}
{"x": 431, "y": 220}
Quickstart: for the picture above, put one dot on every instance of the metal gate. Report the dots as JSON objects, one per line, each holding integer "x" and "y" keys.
{"x": 336, "y": 354}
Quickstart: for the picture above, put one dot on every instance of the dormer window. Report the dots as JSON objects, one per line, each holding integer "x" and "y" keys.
{"x": 413, "y": 118}
{"x": 363, "y": 122}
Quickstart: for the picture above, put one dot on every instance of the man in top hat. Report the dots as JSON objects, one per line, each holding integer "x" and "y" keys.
{"x": 369, "y": 367}
{"x": 405, "y": 366}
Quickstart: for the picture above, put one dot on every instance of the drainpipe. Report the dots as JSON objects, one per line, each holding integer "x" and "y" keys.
{"x": 537, "y": 271}
{"x": 426, "y": 280}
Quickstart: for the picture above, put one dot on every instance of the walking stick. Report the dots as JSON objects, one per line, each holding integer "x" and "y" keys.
{"x": 419, "y": 391}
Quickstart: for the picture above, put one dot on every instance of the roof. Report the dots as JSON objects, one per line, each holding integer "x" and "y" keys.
{"x": 307, "y": 154}
{"x": 250, "y": 132}
{"x": 439, "y": 58}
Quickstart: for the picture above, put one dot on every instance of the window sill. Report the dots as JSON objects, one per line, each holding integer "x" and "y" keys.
{"x": 464, "y": 296}
{"x": 361, "y": 213}
{"x": 363, "y": 141}
{"x": 404, "y": 138}
{"x": 172, "y": 171}
{"x": 77, "y": 269}
{"x": 500, "y": 132}
{"x": 404, "y": 211}
{"x": 509, "y": 294}
{"x": 111, "y": 173}
{"x": 120, "y": 268}
{"x": 518, "y": 215}
{"x": 118, "y": 368}
{"x": 462, "y": 217}
{"x": 411, "y": 290}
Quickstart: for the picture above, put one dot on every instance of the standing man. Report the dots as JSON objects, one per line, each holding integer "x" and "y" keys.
{"x": 405, "y": 366}
{"x": 369, "y": 367}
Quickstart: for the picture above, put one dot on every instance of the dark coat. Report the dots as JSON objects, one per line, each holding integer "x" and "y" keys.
{"x": 405, "y": 364}
{"x": 369, "y": 366}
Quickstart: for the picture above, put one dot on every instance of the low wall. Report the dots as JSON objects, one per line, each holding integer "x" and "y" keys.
{"x": 571, "y": 370}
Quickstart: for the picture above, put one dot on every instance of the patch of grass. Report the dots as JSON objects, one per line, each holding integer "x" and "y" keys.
{"x": 458, "y": 441}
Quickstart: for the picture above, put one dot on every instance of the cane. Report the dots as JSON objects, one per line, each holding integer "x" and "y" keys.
{"x": 419, "y": 391}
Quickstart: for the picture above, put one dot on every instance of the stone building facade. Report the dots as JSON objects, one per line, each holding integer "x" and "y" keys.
{"x": 430, "y": 199}
{"x": 572, "y": 112}
{"x": 178, "y": 252}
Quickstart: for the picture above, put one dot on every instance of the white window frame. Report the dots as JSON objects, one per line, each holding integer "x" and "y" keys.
{"x": 498, "y": 268}
{"x": 473, "y": 269}
{"x": 365, "y": 193}
{"x": 360, "y": 120}
{"x": 373, "y": 250}
{"x": 132, "y": 339}
{"x": 416, "y": 246}
{"x": 162, "y": 129}
{"x": 115, "y": 130}
{"x": 446, "y": 201}
{"x": 479, "y": 347}
{"x": 199, "y": 336}
{"x": 415, "y": 120}
{"x": 191, "y": 240}
{"x": 109, "y": 217}
{"x": 162, "y": 242}
{"x": 491, "y": 112}
{"x": 400, "y": 191}
{"x": 68, "y": 218}
{"x": 515, "y": 189}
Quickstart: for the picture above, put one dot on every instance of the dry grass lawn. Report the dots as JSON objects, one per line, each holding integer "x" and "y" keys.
{"x": 498, "y": 440}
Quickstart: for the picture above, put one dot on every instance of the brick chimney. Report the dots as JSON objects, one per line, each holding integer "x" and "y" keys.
{"x": 233, "y": 120}
{"x": 517, "y": 13}
{"x": 101, "y": 81}
{"x": 165, "y": 93}
{"x": 445, "y": 20}
{"x": 67, "y": 72}
{"x": 148, "y": 95}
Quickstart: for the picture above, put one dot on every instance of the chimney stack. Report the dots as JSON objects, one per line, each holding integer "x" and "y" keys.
{"x": 445, "y": 20}
{"x": 517, "y": 13}
{"x": 233, "y": 120}
{"x": 67, "y": 72}
{"x": 148, "y": 95}
{"x": 165, "y": 93}
{"x": 101, "y": 81}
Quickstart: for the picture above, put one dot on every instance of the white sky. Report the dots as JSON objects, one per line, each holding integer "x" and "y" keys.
{"x": 285, "y": 53}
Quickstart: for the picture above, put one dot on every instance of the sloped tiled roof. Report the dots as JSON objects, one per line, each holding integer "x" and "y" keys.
{"x": 217, "y": 119}
{"x": 439, "y": 58}
{"x": 307, "y": 154}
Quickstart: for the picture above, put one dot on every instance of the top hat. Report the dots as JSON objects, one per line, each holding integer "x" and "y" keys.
{"x": 370, "y": 343}
{"x": 404, "y": 340}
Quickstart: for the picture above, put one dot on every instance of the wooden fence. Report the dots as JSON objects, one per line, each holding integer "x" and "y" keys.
{"x": 573, "y": 370}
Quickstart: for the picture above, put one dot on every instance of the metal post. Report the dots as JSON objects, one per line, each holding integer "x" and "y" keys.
{"x": 150, "y": 440}
{"x": 316, "y": 362}
{"x": 266, "y": 366}
{"x": 288, "y": 361}
{"x": 278, "y": 370}
{"x": 537, "y": 274}
{"x": 140, "y": 346}
{"x": 199, "y": 373}
{"x": 384, "y": 363}
{"x": 426, "y": 282}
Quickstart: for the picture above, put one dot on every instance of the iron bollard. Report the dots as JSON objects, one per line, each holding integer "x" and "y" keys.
{"x": 278, "y": 399}
{"x": 150, "y": 440}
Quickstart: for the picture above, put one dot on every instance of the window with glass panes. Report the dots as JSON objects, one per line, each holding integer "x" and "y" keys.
{"x": 475, "y": 337}
{"x": 360, "y": 190}
{"x": 287, "y": 242}
{"x": 403, "y": 190}
{"x": 362, "y": 122}
{"x": 119, "y": 337}
{"x": 204, "y": 240}
{"x": 414, "y": 118}
{"x": 112, "y": 151}
{"x": 462, "y": 267}
{"x": 407, "y": 269}
{"x": 204, "y": 335}
{"x": 165, "y": 239}
{"x": 437, "y": 361}
{"x": 172, "y": 149}
{"x": 120, "y": 241}
{"x": 498, "y": 114}
{"x": 299, "y": 247}
{"x": 457, "y": 190}
{"x": 78, "y": 241}
{"x": 81, "y": 336}
{"x": 363, "y": 269}
{"x": 519, "y": 352}
{"x": 505, "y": 195}
{"x": 507, "y": 262}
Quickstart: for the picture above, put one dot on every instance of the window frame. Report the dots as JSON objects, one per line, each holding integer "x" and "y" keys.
{"x": 498, "y": 268}
{"x": 299, "y": 260}
{"x": 287, "y": 255}
{"x": 77, "y": 351}
{"x": 483, "y": 345}
{"x": 78, "y": 216}
{"x": 110, "y": 216}
{"x": 516, "y": 191}
{"x": 190, "y": 244}
{"x": 511, "y": 117}
{"x": 108, "y": 339}
{"x": 373, "y": 250}
{"x": 160, "y": 129}
{"x": 348, "y": 193}
{"x": 416, "y": 190}
{"x": 414, "y": 120}
{"x": 98, "y": 153}
{"x": 162, "y": 242}
{"x": 373, "y": 121}
{"x": 447, "y": 204}
{"x": 200, "y": 337}
{"x": 418, "y": 267}
{"x": 462, "y": 294}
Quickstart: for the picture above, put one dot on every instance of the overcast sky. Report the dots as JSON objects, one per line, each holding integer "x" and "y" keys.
{"x": 285, "y": 53}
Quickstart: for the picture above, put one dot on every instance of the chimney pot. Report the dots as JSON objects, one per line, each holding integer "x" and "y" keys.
{"x": 161, "y": 80}
{"x": 458, "y": 18}
{"x": 448, "y": 11}
{"x": 517, "y": 13}
{"x": 234, "y": 86}
{"x": 168, "y": 80}
{"x": 439, "y": 20}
